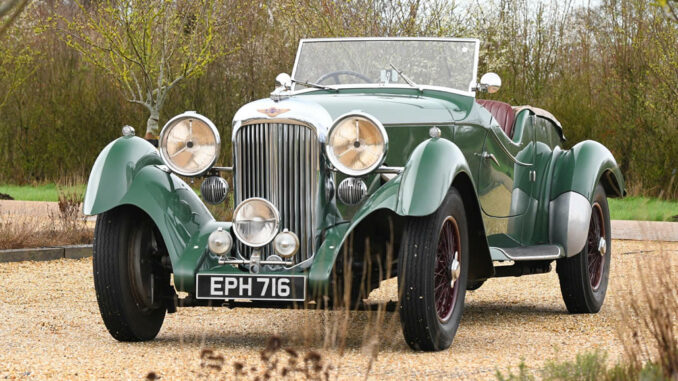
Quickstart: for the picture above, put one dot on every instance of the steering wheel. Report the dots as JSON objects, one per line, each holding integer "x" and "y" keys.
{"x": 336, "y": 74}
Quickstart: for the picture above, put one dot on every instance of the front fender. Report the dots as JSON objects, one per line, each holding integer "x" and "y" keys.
{"x": 128, "y": 172}
{"x": 417, "y": 191}
{"x": 576, "y": 174}
{"x": 428, "y": 176}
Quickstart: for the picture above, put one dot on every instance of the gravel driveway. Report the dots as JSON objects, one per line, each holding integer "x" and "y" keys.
{"x": 51, "y": 329}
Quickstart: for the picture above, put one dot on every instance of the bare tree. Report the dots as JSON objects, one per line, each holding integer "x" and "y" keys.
{"x": 9, "y": 11}
{"x": 670, "y": 8}
{"x": 147, "y": 47}
{"x": 17, "y": 58}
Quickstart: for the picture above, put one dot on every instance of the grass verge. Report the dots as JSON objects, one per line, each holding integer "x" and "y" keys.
{"x": 43, "y": 192}
{"x": 643, "y": 209}
{"x": 64, "y": 227}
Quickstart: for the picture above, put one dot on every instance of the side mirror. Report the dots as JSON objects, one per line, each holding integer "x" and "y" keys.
{"x": 489, "y": 82}
{"x": 283, "y": 80}
{"x": 283, "y": 85}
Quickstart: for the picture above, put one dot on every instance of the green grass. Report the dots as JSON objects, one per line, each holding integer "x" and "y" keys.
{"x": 43, "y": 192}
{"x": 643, "y": 208}
{"x": 587, "y": 366}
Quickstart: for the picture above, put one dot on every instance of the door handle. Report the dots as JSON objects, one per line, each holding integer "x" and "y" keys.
{"x": 490, "y": 156}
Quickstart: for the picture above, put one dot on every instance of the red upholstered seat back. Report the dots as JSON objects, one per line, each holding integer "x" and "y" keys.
{"x": 502, "y": 112}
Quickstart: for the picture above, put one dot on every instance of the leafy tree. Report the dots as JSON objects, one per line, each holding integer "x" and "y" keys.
{"x": 146, "y": 47}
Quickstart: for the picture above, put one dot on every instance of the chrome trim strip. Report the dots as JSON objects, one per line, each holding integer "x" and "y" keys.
{"x": 223, "y": 169}
{"x": 506, "y": 151}
{"x": 233, "y": 261}
{"x": 385, "y": 169}
{"x": 530, "y": 257}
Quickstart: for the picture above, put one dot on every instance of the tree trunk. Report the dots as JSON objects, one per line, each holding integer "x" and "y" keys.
{"x": 152, "y": 124}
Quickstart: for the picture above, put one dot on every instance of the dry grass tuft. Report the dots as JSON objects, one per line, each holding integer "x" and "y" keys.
{"x": 275, "y": 362}
{"x": 649, "y": 334}
{"x": 65, "y": 227}
{"x": 337, "y": 321}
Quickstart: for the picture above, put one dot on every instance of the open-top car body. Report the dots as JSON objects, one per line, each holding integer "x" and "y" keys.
{"x": 373, "y": 159}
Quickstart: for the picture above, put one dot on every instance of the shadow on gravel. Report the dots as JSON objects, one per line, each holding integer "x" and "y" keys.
{"x": 500, "y": 312}
{"x": 224, "y": 337}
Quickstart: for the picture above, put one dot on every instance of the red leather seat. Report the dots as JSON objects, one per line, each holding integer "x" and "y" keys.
{"x": 502, "y": 112}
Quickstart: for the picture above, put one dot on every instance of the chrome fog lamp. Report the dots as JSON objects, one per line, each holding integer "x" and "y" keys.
{"x": 220, "y": 242}
{"x": 351, "y": 190}
{"x": 357, "y": 144}
{"x": 255, "y": 222}
{"x": 286, "y": 244}
{"x": 214, "y": 190}
{"x": 189, "y": 144}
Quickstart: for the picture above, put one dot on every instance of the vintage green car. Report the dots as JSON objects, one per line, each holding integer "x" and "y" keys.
{"x": 373, "y": 160}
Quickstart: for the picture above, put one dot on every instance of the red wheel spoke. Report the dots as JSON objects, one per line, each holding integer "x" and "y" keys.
{"x": 595, "y": 258}
{"x": 444, "y": 291}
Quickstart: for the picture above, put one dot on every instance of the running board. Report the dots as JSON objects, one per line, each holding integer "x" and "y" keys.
{"x": 527, "y": 253}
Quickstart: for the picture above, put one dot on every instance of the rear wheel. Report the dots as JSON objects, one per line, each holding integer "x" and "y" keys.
{"x": 584, "y": 277}
{"x": 130, "y": 282}
{"x": 432, "y": 275}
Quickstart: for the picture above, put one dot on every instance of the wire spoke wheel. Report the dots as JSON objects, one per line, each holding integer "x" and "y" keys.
{"x": 432, "y": 275}
{"x": 585, "y": 275}
{"x": 447, "y": 269}
{"x": 595, "y": 247}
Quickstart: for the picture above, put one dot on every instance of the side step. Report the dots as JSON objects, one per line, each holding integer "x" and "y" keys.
{"x": 527, "y": 253}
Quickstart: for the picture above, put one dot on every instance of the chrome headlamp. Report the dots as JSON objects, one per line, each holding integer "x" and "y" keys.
{"x": 357, "y": 144}
{"x": 255, "y": 222}
{"x": 189, "y": 144}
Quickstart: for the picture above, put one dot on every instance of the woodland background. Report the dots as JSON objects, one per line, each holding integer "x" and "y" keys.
{"x": 608, "y": 70}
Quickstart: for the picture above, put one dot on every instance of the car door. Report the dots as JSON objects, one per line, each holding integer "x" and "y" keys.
{"x": 505, "y": 182}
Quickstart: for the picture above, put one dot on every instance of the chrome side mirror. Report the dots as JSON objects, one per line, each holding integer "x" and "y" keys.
{"x": 489, "y": 82}
{"x": 283, "y": 85}
{"x": 283, "y": 80}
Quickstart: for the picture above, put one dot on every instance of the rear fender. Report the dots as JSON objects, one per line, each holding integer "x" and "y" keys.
{"x": 576, "y": 174}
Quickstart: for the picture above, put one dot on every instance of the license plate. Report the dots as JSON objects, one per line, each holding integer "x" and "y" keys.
{"x": 251, "y": 287}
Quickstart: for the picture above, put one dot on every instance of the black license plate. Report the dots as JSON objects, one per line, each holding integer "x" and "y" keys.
{"x": 251, "y": 287}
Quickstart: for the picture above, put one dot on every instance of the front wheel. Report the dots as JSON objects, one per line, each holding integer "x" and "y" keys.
{"x": 432, "y": 275}
{"x": 583, "y": 277}
{"x": 130, "y": 281}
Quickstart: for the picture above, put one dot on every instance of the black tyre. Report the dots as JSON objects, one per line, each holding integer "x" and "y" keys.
{"x": 432, "y": 274}
{"x": 584, "y": 277}
{"x": 129, "y": 279}
{"x": 472, "y": 286}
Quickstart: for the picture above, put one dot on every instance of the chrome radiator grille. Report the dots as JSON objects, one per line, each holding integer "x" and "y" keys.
{"x": 279, "y": 162}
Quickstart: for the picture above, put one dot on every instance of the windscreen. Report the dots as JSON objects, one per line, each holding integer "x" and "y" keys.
{"x": 434, "y": 62}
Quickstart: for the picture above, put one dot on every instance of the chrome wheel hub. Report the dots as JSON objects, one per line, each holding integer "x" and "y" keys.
{"x": 455, "y": 269}
{"x": 602, "y": 246}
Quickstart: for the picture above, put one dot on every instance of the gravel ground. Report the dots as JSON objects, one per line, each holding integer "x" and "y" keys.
{"x": 51, "y": 328}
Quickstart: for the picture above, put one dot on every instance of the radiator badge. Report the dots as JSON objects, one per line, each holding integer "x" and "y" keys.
{"x": 273, "y": 111}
